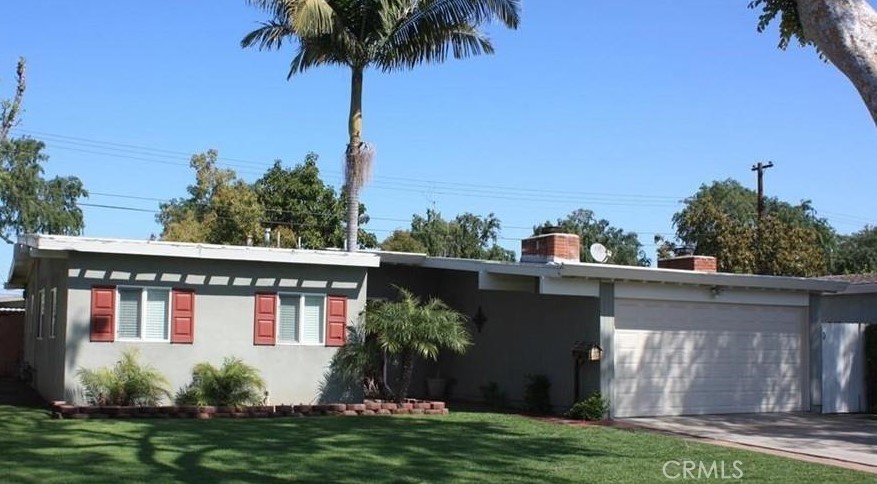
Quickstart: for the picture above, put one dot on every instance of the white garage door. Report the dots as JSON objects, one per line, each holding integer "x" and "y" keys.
{"x": 675, "y": 358}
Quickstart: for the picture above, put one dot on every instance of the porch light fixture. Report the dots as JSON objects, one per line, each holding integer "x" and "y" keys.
{"x": 479, "y": 319}
{"x": 582, "y": 352}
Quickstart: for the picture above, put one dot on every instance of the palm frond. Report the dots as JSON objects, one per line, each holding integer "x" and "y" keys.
{"x": 432, "y": 45}
{"x": 270, "y": 35}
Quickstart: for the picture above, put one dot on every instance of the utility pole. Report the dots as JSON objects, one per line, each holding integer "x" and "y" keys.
{"x": 760, "y": 167}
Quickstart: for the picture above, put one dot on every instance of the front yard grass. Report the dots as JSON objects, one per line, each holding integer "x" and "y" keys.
{"x": 467, "y": 447}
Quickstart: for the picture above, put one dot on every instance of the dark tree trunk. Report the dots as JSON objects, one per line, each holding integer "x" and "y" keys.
{"x": 406, "y": 371}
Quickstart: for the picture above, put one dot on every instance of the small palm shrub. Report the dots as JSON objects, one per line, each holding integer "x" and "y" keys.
{"x": 594, "y": 407}
{"x": 537, "y": 394}
{"x": 234, "y": 384}
{"x": 126, "y": 383}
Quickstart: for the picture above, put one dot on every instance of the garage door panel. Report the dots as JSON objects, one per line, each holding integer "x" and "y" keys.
{"x": 674, "y": 358}
{"x": 680, "y": 341}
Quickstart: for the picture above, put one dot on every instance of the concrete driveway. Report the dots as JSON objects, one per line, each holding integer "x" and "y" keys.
{"x": 850, "y": 438}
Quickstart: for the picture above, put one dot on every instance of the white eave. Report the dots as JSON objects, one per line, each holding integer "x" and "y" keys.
{"x": 49, "y": 246}
{"x": 609, "y": 272}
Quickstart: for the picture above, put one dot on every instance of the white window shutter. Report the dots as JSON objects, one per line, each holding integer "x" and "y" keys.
{"x": 155, "y": 326}
{"x": 287, "y": 324}
{"x": 129, "y": 313}
{"x": 312, "y": 323}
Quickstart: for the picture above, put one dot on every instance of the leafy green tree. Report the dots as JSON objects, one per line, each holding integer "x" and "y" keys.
{"x": 10, "y": 109}
{"x": 298, "y": 204}
{"x": 857, "y": 252}
{"x": 468, "y": 236}
{"x": 402, "y": 241}
{"x": 409, "y": 329}
{"x": 221, "y": 208}
{"x": 625, "y": 246}
{"x": 389, "y": 35}
{"x": 30, "y": 203}
{"x": 721, "y": 220}
{"x": 841, "y": 30}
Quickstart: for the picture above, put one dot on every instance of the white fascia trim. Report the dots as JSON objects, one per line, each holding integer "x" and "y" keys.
{"x": 199, "y": 251}
{"x": 673, "y": 276}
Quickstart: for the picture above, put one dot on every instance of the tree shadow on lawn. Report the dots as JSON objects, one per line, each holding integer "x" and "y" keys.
{"x": 387, "y": 449}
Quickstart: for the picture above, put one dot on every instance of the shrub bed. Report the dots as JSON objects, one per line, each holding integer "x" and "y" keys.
{"x": 418, "y": 407}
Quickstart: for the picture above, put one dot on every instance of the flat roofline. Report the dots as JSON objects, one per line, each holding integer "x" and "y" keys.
{"x": 610, "y": 272}
{"x": 36, "y": 246}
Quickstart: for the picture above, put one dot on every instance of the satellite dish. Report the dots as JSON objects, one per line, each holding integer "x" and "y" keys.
{"x": 600, "y": 253}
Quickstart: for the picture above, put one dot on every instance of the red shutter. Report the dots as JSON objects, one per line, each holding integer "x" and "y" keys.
{"x": 336, "y": 320}
{"x": 103, "y": 314}
{"x": 182, "y": 316}
{"x": 266, "y": 316}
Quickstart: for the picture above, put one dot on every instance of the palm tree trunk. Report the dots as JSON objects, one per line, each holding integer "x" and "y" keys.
{"x": 406, "y": 371}
{"x": 353, "y": 169}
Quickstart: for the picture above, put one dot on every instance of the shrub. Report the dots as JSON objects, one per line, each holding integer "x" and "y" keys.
{"x": 537, "y": 394}
{"x": 493, "y": 396}
{"x": 126, "y": 383}
{"x": 234, "y": 384}
{"x": 594, "y": 407}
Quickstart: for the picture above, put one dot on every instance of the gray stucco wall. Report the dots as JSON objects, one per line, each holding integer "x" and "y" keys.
{"x": 224, "y": 309}
{"x": 525, "y": 334}
{"x": 46, "y": 355}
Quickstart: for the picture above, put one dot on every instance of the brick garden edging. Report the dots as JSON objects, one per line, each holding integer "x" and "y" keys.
{"x": 65, "y": 410}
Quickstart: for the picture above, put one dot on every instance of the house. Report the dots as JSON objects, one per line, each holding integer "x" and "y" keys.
{"x": 88, "y": 300}
{"x": 678, "y": 339}
{"x": 843, "y": 317}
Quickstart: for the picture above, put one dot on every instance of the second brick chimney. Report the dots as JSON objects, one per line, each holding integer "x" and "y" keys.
{"x": 552, "y": 247}
{"x": 702, "y": 263}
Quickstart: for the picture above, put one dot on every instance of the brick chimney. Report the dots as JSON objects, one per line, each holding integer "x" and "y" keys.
{"x": 701, "y": 263}
{"x": 551, "y": 247}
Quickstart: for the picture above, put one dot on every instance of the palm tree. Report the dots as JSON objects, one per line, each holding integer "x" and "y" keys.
{"x": 389, "y": 35}
{"x": 409, "y": 328}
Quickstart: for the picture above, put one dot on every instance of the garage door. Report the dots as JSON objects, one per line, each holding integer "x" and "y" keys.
{"x": 674, "y": 358}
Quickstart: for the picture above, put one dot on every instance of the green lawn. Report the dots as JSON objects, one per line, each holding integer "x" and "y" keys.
{"x": 460, "y": 447}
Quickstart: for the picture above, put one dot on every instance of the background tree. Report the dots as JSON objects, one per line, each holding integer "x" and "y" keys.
{"x": 409, "y": 329}
{"x": 10, "y": 109}
{"x": 298, "y": 204}
{"x": 30, "y": 203}
{"x": 721, "y": 220}
{"x": 468, "y": 236}
{"x": 389, "y": 35}
{"x": 857, "y": 253}
{"x": 402, "y": 241}
{"x": 843, "y": 31}
{"x": 625, "y": 246}
{"x": 221, "y": 208}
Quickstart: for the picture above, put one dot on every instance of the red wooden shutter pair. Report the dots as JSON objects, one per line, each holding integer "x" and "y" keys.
{"x": 265, "y": 321}
{"x": 103, "y": 315}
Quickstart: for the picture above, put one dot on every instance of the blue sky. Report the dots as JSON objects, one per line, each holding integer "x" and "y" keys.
{"x": 622, "y": 108}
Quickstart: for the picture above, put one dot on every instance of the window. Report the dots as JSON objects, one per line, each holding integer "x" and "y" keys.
{"x": 143, "y": 314}
{"x": 301, "y": 319}
{"x": 42, "y": 314}
{"x": 53, "y": 323}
